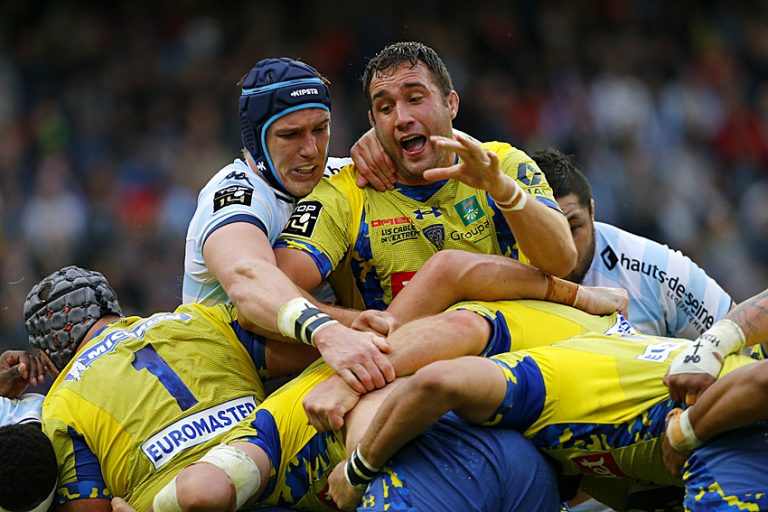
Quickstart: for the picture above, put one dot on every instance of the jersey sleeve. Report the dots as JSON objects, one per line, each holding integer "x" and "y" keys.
{"x": 321, "y": 223}
{"x": 80, "y": 474}
{"x": 232, "y": 200}
{"x": 693, "y": 304}
{"x": 517, "y": 164}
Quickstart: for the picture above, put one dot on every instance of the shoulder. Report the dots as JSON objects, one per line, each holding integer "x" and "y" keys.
{"x": 336, "y": 164}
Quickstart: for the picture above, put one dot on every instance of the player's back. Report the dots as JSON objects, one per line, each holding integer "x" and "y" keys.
{"x": 601, "y": 403}
{"x": 145, "y": 397}
{"x": 301, "y": 455}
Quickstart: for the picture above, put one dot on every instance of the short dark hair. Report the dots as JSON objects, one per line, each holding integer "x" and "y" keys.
{"x": 563, "y": 175}
{"x": 29, "y": 470}
{"x": 413, "y": 53}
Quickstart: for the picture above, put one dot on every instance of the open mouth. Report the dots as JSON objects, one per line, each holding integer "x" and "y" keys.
{"x": 413, "y": 143}
{"x": 306, "y": 171}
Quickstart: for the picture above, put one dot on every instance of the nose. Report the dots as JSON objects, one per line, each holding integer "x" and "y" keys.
{"x": 308, "y": 147}
{"x": 403, "y": 116}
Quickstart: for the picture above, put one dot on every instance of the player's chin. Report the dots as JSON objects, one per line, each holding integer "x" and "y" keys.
{"x": 303, "y": 185}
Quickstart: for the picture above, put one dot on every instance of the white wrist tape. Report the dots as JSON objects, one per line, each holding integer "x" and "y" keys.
{"x": 725, "y": 337}
{"x": 680, "y": 433}
{"x": 166, "y": 500}
{"x": 301, "y": 320}
{"x": 239, "y": 467}
{"x": 515, "y": 202}
{"x": 706, "y": 355}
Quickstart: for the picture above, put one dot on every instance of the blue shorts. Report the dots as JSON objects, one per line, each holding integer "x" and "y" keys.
{"x": 458, "y": 466}
{"x": 729, "y": 472}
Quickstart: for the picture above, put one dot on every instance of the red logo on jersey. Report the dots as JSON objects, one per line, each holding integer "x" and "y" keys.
{"x": 399, "y": 280}
{"x": 390, "y": 222}
{"x": 599, "y": 464}
{"x": 323, "y": 496}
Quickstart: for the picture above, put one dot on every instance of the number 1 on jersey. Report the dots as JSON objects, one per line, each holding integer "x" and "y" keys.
{"x": 148, "y": 359}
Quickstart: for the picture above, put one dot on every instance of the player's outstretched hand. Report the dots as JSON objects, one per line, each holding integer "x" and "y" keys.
{"x": 373, "y": 164}
{"x": 328, "y": 403}
{"x": 373, "y": 320}
{"x": 120, "y": 505}
{"x": 477, "y": 168}
{"x": 344, "y": 495}
{"x": 601, "y": 300}
{"x": 19, "y": 369}
{"x": 358, "y": 357}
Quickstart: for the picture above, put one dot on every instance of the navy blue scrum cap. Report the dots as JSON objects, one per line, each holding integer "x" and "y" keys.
{"x": 272, "y": 89}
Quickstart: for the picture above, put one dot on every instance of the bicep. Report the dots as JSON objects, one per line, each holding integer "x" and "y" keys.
{"x": 299, "y": 267}
{"x": 233, "y": 245}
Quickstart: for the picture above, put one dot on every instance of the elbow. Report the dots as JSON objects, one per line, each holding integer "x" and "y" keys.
{"x": 437, "y": 385}
{"x": 560, "y": 262}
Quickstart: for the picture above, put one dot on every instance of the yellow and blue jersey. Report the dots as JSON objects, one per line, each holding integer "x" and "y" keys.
{"x": 301, "y": 456}
{"x": 383, "y": 238}
{"x": 730, "y": 472}
{"x": 145, "y": 397}
{"x": 522, "y": 324}
{"x": 595, "y": 403}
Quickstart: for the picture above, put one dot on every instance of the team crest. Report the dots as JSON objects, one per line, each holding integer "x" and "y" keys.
{"x": 435, "y": 234}
{"x": 469, "y": 210}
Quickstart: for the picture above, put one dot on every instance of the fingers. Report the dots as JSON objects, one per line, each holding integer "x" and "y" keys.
{"x": 352, "y": 381}
{"x": 443, "y": 173}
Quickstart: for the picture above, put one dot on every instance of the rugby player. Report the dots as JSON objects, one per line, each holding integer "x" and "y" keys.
{"x": 452, "y": 192}
{"x": 669, "y": 295}
{"x": 139, "y": 399}
{"x": 594, "y": 403}
{"x": 285, "y": 125}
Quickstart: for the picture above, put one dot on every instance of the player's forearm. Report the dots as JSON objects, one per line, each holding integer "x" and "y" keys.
{"x": 733, "y": 401}
{"x": 451, "y": 276}
{"x": 258, "y": 289}
{"x": 752, "y": 316}
{"x": 408, "y": 411}
{"x": 544, "y": 236}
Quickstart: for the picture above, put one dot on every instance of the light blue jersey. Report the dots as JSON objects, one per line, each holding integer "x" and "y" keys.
{"x": 27, "y": 408}
{"x": 235, "y": 194}
{"x": 669, "y": 295}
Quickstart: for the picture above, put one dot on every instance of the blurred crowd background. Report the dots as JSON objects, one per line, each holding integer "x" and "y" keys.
{"x": 114, "y": 115}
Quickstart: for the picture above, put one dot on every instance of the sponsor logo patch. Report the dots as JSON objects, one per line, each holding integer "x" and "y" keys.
{"x": 196, "y": 429}
{"x": 304, "y": 218}
{"x": 304, "y": 92}
{"x": 390, "y": 222}
{"x": 469, "y": 210}
{"x": 432, "y": 211}
{"x": 528, "y": 175}
{"x": 399, "y": 280}
{"x": 661, "y": 352}
{"x": 111, "y": 340}
{"x": 435, "y": 234}
{"x": 599, "y": 464}
{"x": 235, "y": 194}
{"x": 686, "y": 301}
{"x": 609, "y": 258}
{"x": 478, "y": 232}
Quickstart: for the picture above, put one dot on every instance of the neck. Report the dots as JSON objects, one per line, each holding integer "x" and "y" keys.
{"x": 99, "y": 325}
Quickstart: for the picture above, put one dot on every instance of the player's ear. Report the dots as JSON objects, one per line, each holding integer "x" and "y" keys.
{"x": 453, "y": 103}
{"x": 371, "y": 119}
{"x": 592, "y": 209}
